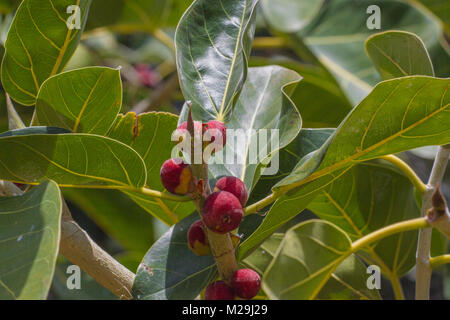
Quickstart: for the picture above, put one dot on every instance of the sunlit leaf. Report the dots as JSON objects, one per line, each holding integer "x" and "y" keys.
{"x": 29, "y": 240}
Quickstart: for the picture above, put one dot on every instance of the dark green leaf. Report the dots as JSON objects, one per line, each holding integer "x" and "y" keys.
{"x": 440, "y": 8}
{"x": 213, "y": 41}
{"x": 135, "y": 15}
{"x": 83, "y": 100}
{"x": 170, "y": 270}
{"x": 29, "y": 240}
{"x": 39, "y": 45}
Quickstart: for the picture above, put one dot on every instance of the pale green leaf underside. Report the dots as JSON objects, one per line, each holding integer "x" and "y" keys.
{"x": 366, "y": 198}
{"x": 398, "y": 115}
{"x": 149, "y": 134}
{"x": 310, "y": 257}
{"x": 399, "y": 54}
{"x": 71, "y": 160}
{"x": 39, "y": 45}
{"x": 84, "y": 100}
{"x": 29, "y": 240}
{"x": 348, "y": 281}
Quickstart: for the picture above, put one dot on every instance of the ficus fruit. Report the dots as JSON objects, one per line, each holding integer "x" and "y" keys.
{"x": 176, "y": 176}
{"x": 198, "y": 240}
{"x": 222, "y": 212}
{"x": 246, "y": 283}
{"x": 219, "y": 290}
{"x": 233, "y": 185}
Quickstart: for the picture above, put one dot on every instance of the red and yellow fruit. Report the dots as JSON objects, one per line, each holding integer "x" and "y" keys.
{"x": 219, "y": 290}
{"x": 216, "y": 130}
{"x": 176, "y": 176}
{"x": 222, "y": 212}
{"x": 235, "y": 186}
{"x": 246, "y": 283}
{"x": 198, "y": 240}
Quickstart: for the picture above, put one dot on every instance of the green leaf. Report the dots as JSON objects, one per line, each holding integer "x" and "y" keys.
{"x": 170, "y": 270}
{"x": 398, "y": 115}
{"x": 39, "y": 45}
{"x": 117, "y": 215}
{"x": 290, "y": 16}
{"x": 81, "y": 160}
{"x": 337, "y": 34}
{"x": 311, "y": 254}
{"x": 29, "y": 240}
{"x": 397, "y": 54}
{"x": 83, "y": 100}
{"x": 366, "y": 198}
{"x": 307, "y": 141}
{"x": 135, "y": 15}
{"x": 149, "y": 134}
{"x": 440, "y": 8}
{"x": 262, "y": 105}
{"x": 318, "y": 97}
{"x": 341, "y": 285}
{"x": 213, "y": 41}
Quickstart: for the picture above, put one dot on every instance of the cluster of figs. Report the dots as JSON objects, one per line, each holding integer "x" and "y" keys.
{"x": 222, "y": 213}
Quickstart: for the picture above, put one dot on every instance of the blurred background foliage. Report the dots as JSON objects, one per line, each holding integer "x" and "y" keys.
{"x": 323, "y": 40}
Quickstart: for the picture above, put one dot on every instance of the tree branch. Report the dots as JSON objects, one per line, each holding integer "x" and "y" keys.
{"x": 423, "y": 267}
{"x": 77, "y": 247}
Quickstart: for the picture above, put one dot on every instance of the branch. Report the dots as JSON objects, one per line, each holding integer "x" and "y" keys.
{"x": 423, "y": 267}
{"x": 77, "y": 247}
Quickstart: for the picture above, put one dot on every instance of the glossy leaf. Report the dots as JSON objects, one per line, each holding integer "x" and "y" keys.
{"x": 366, "y": 198}
{"x": 149, "y": 134}
{"x": 69, "y": 159}
{"x": 398, "y": 115}
{"x": 83, "y": 100}
{"x": 29, "y": 240}
{"x": 135, "y": 15}
{"x": 170, "y": 270}
{"x": 213, "y": 41}
{"x": 39, "y": 45}
{"x": 294, "y": 274}
{"x": 399, "y": 54}
{"x": 263, "y": 107}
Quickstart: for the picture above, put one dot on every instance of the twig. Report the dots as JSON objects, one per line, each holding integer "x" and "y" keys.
{"x": 423, "y": 267}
